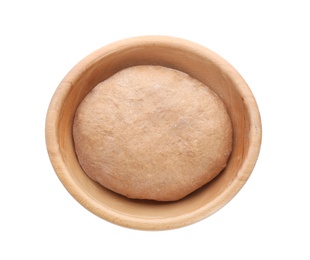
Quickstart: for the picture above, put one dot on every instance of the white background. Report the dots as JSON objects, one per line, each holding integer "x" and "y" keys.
{"x": 268, "y": 42}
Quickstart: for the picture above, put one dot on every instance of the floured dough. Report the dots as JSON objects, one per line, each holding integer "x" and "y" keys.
{"x": 151, "y": 132}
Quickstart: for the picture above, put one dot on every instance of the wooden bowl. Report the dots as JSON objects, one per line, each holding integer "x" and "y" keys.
{"x": 183, "y": 55}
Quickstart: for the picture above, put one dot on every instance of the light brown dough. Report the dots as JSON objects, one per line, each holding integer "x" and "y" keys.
{"x": 151, "y": 132}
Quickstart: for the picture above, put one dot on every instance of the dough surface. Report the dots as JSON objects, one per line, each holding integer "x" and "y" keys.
{"x": 150, "y": 132}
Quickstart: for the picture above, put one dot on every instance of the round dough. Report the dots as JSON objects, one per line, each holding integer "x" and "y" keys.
{"x": 150, "y": 132}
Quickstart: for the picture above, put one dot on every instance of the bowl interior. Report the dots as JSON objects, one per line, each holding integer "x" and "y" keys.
{"x": 194, "y": 60}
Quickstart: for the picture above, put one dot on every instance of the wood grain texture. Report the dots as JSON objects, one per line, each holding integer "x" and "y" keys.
{"x": 191, "y": 58}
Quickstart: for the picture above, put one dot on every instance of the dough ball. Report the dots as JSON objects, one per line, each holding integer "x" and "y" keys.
{"x": 151, "y": 132}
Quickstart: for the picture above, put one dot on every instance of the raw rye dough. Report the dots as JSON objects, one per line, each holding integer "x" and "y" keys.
{"x": 151, "y": 132}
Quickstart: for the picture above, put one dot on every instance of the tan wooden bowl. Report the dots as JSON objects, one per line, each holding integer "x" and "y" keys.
{"x": 183, "y": 55}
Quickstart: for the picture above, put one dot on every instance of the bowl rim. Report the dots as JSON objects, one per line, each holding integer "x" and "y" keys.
{"x": 54, "y": 114}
